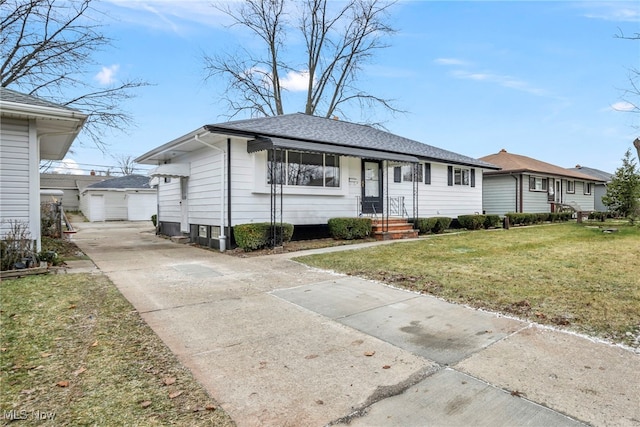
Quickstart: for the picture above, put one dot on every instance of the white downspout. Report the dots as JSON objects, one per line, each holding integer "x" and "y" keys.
{"x": 222, "y": 237}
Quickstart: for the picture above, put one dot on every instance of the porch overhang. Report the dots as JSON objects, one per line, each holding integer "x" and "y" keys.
{"x": 260, "y": 144}
{"x": 171, "y": 170}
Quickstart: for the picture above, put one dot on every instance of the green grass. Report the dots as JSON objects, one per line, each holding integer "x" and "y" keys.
{"x": 570, "y": 275}
{"x": 72, "y": 346}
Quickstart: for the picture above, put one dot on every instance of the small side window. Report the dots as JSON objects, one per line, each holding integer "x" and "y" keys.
{"x": 397, "y": 174}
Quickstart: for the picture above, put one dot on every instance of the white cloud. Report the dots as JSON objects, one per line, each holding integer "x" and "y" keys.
{"x": 611, "y": 11}
{"x": 502, "y": 80}
{"x": 623, "y": 106}
{"x": 107, "y": 75}
{"x": 172, "y": 15}
{"x": 450, "y": 61}
{"x": 295, "y": 81}
{"x": 68, "y": 167}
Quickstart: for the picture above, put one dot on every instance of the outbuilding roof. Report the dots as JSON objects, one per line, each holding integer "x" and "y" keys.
{"x": 512, "y": 163}
{"x": 123, "y": 182}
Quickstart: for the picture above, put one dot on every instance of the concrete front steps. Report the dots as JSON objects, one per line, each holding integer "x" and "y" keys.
{"x": 398, "y": 228}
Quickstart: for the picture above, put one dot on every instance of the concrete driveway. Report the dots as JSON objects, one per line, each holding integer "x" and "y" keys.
{"x": 279, "y": 344}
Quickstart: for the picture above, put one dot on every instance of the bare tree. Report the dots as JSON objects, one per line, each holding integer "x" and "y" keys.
{"x": 631, "y": 94}
{"x": 47, "y": 49}
{"x": 339, "y": 38}
{"x": 125, "y": 164}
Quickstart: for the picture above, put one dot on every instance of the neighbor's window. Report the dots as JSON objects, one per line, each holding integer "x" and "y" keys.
{"x": 305, "y": 169}
{"x": 587, "y": 188}
{"x": 571, "y": 186}
{"x": 537, "y": 183}
{"x": 460, "y": 176}
{"x": 427, "y": 173}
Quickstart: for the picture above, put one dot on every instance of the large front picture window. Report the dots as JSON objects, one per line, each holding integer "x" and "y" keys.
{"x": 306, "y": 169}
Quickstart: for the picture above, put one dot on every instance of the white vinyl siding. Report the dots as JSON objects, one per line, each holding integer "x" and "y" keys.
{"x": 141, "y": 205}
{"x": 499, "y": 194}
{"x": 19, "y": 175}
{"x": 204, "y": 186}
{"x": 169, "y": 200}
{"x": 438, "y": 198}
{"x": 302, "y": 205}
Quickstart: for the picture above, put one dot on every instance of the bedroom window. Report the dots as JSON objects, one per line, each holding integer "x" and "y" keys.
{"x": 461, "y": 176}
{"x": 537, "y": 183}
{"x": 305, "y": 169}
{"x": 571, "y": 186}
{"x": 588, "y": 188}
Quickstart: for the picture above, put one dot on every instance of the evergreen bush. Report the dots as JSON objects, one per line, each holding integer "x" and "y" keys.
{"x": 258, "y": 235}
{"x": 349, "y": 228}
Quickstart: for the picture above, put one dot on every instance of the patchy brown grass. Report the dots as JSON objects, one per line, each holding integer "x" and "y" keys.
{"x": 569, "y": 275}
{"x": 72, "y": 348}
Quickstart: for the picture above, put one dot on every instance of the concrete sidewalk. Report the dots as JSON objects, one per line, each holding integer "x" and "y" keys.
{"x": 277, "y": 343}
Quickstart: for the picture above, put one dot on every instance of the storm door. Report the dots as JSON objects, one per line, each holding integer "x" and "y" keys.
{"x": 371, "y": 187}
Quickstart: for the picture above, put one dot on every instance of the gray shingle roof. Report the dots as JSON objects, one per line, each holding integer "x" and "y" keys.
{"x": 9, "y": 95}
{"x": 127, "y": 181}
{"x": 312, "y": 128}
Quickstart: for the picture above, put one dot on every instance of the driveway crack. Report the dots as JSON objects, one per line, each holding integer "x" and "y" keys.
{"x": 387, "y": 391}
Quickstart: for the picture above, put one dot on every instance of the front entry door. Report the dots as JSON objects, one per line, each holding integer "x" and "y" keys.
{"x": 371, "y": 187}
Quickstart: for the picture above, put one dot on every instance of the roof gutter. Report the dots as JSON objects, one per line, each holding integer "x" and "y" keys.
{"x": 221, "y": 237}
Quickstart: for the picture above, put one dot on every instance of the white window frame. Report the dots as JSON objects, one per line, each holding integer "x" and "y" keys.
{"x": 324, "y": 171}
{"x": 571, "y": 187}
{"x": 538, "y": 184}
{"x": 462, "y": 176}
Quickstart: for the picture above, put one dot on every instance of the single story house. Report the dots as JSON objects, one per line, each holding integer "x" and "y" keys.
{"x": 125, "y": 198}
{"x": 32, "y": 130}
{"x": 303, "y": 170}
{"x": 604, "y": 178}
{"x": 70, "y": 185}
{"x": 529, "y": 185}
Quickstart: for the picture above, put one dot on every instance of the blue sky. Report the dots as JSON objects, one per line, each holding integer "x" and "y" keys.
{"x": 543, "y": 79}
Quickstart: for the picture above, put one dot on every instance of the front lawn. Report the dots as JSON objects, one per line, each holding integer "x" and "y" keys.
{"x": 571, "y": 275}
{"x": 73, "y": 351}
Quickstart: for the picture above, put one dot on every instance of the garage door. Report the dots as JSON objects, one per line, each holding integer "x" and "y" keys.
{"x": 96, "y": 208}
{"x": 140, "y": 206}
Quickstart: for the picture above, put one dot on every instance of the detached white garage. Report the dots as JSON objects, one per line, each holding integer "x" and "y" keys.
{"x": 126, "y": 198}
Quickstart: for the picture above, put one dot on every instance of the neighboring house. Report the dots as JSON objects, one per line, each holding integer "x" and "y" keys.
{"x": 604, "y": 178}
{"x": 126, "y": 198}
{"x": 529, "y": 185}
{"x": 71, "y": 186}
{"x": 31, "y": 130}
{"x": 304, "y": 170}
